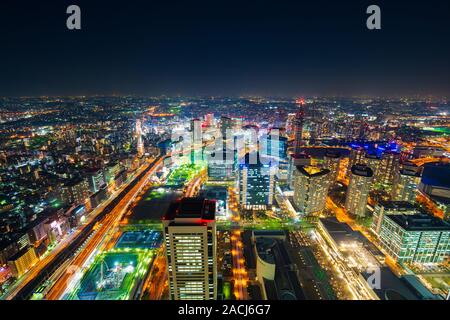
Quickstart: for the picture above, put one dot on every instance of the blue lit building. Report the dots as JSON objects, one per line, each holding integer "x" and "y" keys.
{"x": 256, "y": 182}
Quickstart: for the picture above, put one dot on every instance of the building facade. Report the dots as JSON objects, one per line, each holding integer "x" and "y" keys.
{"x": 358, "y": 190}
{"x": 418, "y": 238}
{"x": 310, "y": 189}
{"x": 190, "y": 240}
{"x": 256, "y": 183}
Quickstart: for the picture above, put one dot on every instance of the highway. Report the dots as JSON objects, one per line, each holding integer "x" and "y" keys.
{"x": 104, "y": 234}
{"x": 104, "y": 219}
{"x": 240, "y": 275}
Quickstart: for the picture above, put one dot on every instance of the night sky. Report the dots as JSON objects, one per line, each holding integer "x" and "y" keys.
{"x": 224, "y": 48}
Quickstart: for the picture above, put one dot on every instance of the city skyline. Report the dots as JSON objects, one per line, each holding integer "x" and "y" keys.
{"x": 234, "y": 153}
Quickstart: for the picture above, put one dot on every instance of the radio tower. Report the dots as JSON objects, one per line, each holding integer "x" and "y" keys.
{"x": 298, "y": 125}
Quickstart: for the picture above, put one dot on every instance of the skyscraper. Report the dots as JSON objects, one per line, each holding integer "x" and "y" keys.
{"x": 296, "y": 160}
{"x": 358, "y": 190}
{"x": 190, "y": 239}
{"x": 356, "y": 156}
{"x": 390, "y": 163}
{"x": 256, "y": 182}
{"x": 298, "y": 126}
{"x": 374, "y": 162}
{"x": 332, "y": 161}
{"x": 407, "y": 183}
{"x": 310, "y": 189}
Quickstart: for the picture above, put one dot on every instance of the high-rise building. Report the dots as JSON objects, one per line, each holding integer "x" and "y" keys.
{"x": 418, "y": 238}
{"x": 383, "y": 208}
{"x": 196, "y": 141}
{"x": 274, "y": 145}
{"x": 389, "y": 166}
{"x": 332, "y": 161}
{"x": 190, "y": 240}
{"x": 222, "y": 164}
{"x": 407, "y": 183}
{"x": 356, "y": 156}
{"x": 256, "y": 182}
{"x": 301, "y": 159}
{"x": 373, "y": 161}
{"x": 358, "y": 190}
{"x": 298, "y": 126}
{"x": 310, "y": 189}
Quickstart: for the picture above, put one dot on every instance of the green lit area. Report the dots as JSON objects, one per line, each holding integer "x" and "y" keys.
{"x": 114, "y": 275}
{"x": 276, "y": 224}
{"x": 444, "y": 130}
{"x": 183, "y": 174}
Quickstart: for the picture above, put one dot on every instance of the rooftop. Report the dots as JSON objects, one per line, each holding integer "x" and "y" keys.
{"x": 312, "y": 171}
{"x": 419, "y": 222}
{"x": 362, "y": 170}
{"x": 191, "y": 208}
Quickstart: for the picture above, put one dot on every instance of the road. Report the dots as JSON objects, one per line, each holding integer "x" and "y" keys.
{"x": 40, "y": 267}
{"x": 240, "y": 276}
{"x": 103, "y": 235}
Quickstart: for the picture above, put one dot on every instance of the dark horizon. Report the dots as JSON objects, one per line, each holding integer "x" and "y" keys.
{"x": 223, "y": 48}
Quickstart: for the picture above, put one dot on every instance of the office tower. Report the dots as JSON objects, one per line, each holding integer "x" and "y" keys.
{"x": 310, "y": 189}
{"x": 356, "y": 156}
{"x": 256, "y": 182}
{"x": 407, "y": 183}
{"x": 274, "y": 145}
{"x": 418, "y": 238}
{"x": 389, "y": 166}
{"x": 190, "y": 239}
{"x": 358, "y": 190}
{"x": 332, "y": 161}
{"x": 222, "y": 164}
{"x": 383, "y": 208}
{"x": 298, "y": 126}
{"x": 301, "y": 159}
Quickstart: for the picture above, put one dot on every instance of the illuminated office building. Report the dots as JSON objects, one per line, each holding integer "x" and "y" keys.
{"x": 190, "y": 239}
{"x": 310, "y": 189}
{"x": 418, "y": 238}
{"x": 358, "y": 190}
{"x": 222, "y": 164}
{"x": 298, "y": 126}
{"x": 383, "y": 208}
{"x": 256, "y": 182}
